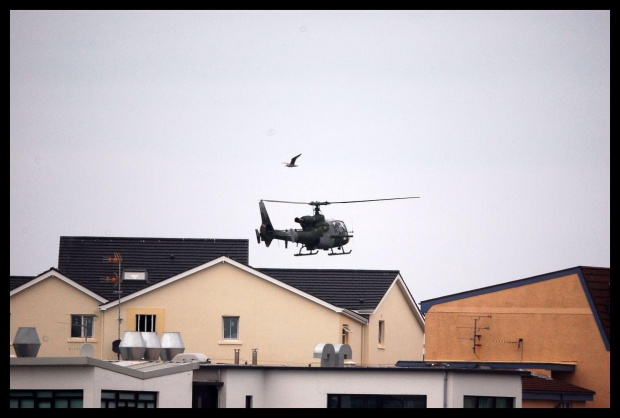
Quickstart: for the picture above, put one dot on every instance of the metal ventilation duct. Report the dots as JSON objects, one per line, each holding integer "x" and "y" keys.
{"x": 333, "y": 355}
{"x": 171, "y": 345}
{"x": 26, "y": 342}
{"x": 343, "y": 352}
{"x": 132, "y": 346}
{"x": 326, "y": 353}
{"x": 153, "y": 346}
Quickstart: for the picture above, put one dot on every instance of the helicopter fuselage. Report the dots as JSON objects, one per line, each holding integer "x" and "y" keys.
{"x": 316, "y": 232}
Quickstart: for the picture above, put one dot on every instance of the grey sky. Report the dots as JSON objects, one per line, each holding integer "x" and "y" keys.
{"x": 176, "y": 123}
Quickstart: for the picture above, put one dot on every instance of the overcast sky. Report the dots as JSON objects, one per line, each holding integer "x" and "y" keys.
{"x": 174, "y": 124}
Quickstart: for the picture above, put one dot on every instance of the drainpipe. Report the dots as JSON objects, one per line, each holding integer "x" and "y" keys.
{"x": 102, "y": 332}
{"x": 219, "y": 380}
{"x": 362, "y": 355}
{"x": 445, "y": 389}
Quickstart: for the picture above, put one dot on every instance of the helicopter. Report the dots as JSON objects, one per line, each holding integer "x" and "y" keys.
{"x": 316, "y": 232}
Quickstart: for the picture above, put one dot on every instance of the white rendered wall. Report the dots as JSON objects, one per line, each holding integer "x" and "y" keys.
{"x": 174, "y": 390}
{"x": 486, "y": 385}
{"x": 272, "y": 388}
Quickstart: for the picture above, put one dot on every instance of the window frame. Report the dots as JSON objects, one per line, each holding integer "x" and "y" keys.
{"x": 381, "y": 333}
{"x": 152, "y": 321}
{"x": 353, "y": 400}
{"x": 128, "y": 397}
{"x": 345, "y": 333}
{"x": 129, "y": 272}
{"x": 232, "y": 319}
{"x": 74, "y": 398}
{"x": 82, "y": 327}
{"x": 491, "y": 399}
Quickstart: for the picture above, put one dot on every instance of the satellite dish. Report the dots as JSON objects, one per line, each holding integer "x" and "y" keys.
{"x": 87, "y": 350}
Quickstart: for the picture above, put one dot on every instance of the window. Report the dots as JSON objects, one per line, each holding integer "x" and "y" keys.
{"x": 381, "y": 333}
{"x": 230, "y": 327}
{"x": 46, "y": 399}
{"x": 487, "y": 402}
{"x": 135, "y": 275}
{"x": 345, "y": 334}
{"x": 126, "y": 399}
{"x": 82, "y": 326}
{"x": 375, "y": 401}
{"x": 145, "y": 323}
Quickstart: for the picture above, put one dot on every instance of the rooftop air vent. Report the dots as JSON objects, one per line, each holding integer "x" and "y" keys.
{"x": 153, "y": 346}
{"x": 333, "y": 355}
{"x": 171, "y": 345}
{"x": 26, "y": 342}
{"x": 132, "y": 346}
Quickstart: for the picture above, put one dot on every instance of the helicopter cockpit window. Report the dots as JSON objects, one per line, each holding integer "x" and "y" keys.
{"x": 339, "y": 227}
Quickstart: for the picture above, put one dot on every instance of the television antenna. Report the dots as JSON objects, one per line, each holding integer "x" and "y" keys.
{"x": 476, "y": 337}
{"x": 117, "y": 280}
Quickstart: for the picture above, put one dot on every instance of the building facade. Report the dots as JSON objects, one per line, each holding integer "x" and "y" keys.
{"x": 559, "y": 321}
{"x": 223, "y": 307}
{"x": 52, "y": 382}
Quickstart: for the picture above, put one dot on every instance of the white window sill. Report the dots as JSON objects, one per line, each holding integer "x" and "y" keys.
{"x": 82, "y": 340}
{"x": 230, "y": 342}
{"x": 381, "y": 347}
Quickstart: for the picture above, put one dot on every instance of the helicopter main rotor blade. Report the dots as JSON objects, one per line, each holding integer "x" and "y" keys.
{"x": 330, "y": 203}
{"x": 373, "y": 200}
{"x": 285, "y": 201}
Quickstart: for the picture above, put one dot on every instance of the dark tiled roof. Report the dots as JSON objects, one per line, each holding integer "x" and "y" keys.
{"x": 16, "y": 281}
{"x": 534, "y": 383}
{"x": 85, "y": 259}
{"x": 350, "y": 289}
{"x": 598, "y": 283}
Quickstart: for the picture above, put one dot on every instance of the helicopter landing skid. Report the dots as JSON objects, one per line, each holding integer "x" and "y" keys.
{"x": 308, "y": 253}
{"x": 342, "y": 253}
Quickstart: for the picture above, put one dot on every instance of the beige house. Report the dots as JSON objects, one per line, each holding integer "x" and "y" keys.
{"x": 222, "y": 308}
{"x": 48, "y": 303}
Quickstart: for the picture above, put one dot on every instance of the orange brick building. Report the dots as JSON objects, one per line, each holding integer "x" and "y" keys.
{"x": 557, "y": 325}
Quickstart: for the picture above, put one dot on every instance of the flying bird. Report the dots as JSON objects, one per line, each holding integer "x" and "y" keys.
{"x": 292, "y": 163}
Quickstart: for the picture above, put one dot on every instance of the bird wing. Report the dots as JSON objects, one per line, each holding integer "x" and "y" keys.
{"x": 294, "y": 158}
